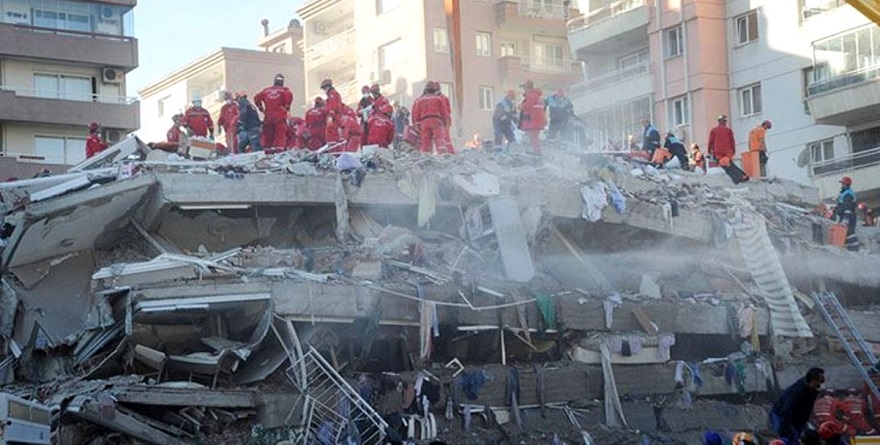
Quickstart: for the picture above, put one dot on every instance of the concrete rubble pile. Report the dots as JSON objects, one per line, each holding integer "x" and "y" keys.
{"x": 307, "y": 298}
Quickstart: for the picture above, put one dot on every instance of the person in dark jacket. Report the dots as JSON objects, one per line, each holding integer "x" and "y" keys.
{"x": 845, "y": 211}
{"x": 561, "y": 109}
{"x": 791, "y": 412}
{"x": 504, "y": 118}
{"x": 676, "y": 147}
{"x": 651, "y": 138}
{"x": 249, "y": 125}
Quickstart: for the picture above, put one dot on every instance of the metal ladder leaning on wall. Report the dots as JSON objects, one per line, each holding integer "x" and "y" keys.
{"x": 850, "y": 338}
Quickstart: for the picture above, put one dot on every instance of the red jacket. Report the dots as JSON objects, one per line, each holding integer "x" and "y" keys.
{"x": 274, "y": 102}
{"x": 380, "y": 130}
{"x": 533, "y": 117}
{"x": 94, "y": 145}
{"x": 350, "y": 127}
{"x": 334, "y": 102}
{"x": 379, "y": 103}
{"x": 173, "y": 134}
{"x": 228, "y": 117}
{"x": 721, "y": 144}
{"x": 293, "y": 131}
{"x": 430, "y": 106}
{"x": 198, "y": 120}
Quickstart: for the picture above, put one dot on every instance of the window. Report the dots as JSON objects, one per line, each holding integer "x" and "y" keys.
{"x": 810, "y": 8}
{"x": 163, "y": 105}
{"x": 549, "y": 55}
{"x": 441, "y": 40}
{"x": 391, "y": 54}
{"x": 864, "y": 140}
{"x": 280, "y": 49}
{"x": 680, "y": 111}
{"x": 821, "y": 151}
{"x": 383, "y": 6}
{"x": 750, "y": 100}
{"x": 487, "y": 98}
{"x": 674, "y": 42}
{"x": 484, "y": 44}
{"x": 508, "y": 49}
{"x": 634, "y": 59}
{"x": 57, "y": 86}
{"x": 62, "y": 20}
{"x": 747, "y": 27}
{"x": 60, "y": 150}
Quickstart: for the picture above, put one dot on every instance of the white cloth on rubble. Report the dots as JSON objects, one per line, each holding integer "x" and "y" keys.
{"x": 609, "y": 303}
{"x": 595, "y": 199}
{"x": 745, "y": 314}
{"x": 347, "y": 161}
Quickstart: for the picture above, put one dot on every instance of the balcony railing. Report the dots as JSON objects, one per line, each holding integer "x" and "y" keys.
{"x": 844, "y": 80}
{"x": 542, "y": 9}
{"x": 331, "y": 46}
{"x": 548, "y": 65}
{"x": 59, "y": 95}
{"x": 603, "y": 14}
{"x": 852, "y": 161}
{"x": 612, "y": 77}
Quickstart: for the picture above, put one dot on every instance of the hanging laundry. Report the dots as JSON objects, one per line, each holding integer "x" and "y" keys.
{"x": 664, "y": 344}
{"x": 547, "y": 306}
{"x": 609, "y": 304}
{"x": 695, "y": 372}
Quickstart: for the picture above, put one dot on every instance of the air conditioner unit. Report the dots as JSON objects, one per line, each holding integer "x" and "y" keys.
{"x": 320, "y": 28}
{"x": 112, "y": 75}
{"x": 112, "y": 136}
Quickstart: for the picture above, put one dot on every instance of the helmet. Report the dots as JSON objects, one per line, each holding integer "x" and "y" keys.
{"x": 767, "y": 124}
{"x": 846, "y": 180}
{"x": 862, "y": 206}
{"x": 432, "y": 86}
{"x": 197, "y": 102}
{"x": 777, "y": 442}
{"x": 94, "y": 126}
{"x": 721, "y": 117}
{"x": 374, "y": 88}
{"x": 326, "y": 83}
{"x": 743, "y": 439}
{"x": 528, "y": 84}
{"x": 319, "y": 100}
{"x": 365, "y": 89}
{"x": 829, "y": 429}
{"x": 712, "y": 438}
{"x": 279, "y": 79}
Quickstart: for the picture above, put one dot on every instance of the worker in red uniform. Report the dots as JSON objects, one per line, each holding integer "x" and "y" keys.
{"x": 274, "y": 102}
{"x": 228, "y": 121}
{"x": 173, "y": 134}
{"x": 350, "y": 130}
{"x": 532, "y": 117}
{"x": 430, "y": 115}
{"x": 198, "y": 120}
{"x": 295, "y": 125}
{"x": 827, "y": 408}
{"x": 379, "y": 101}
{"x": 334, "y": 108}
{"x": 94, "y": 143}
{"x": 855, "y": 407}
{"x": 316, "y": 123}
{"x": 721, "y": 142}
{"x": 381, "y": 128}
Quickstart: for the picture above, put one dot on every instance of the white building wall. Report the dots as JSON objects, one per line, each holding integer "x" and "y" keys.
{"x": 155, "y": 124}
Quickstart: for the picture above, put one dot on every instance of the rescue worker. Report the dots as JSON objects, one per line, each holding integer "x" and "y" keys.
{"x": 379, "y": 101}
{"x": 721, "y": 142}
{"x": 316, "y": 123}
{"x": 228, "y": 121}
{"x": 676, "y": 147}
{"x": 854, "y": 407}
{"x": 560, "y": 109}
{"x": 94, "y": 143}
{"x": 758, "y": 143}
{"x": 831, "y": 433}
{"x": 334, "y": 109}
{"x": 294, "y": 131}
{"x": 401, "y": 123}
{"x": 743, "y": 439}
{"x": 650, "y": 137}
{"x": 381, "y": 129}
{"x": 791, "y": 412}
{"x": 846, "y": 212}
{"x": 430, "y": 115}
{"x": 364, "y": 110}
{"x": 274, "y": 102}
{"x": 198, "y": 120}
{"x": 827, "y": 408}
{"x": 248, "y": 125}
{"x": 173, "y": 134}
{"x": 868, "y": 219}
{"x": 503, "y": 119}
{"x": 532, "y": 118}
{"x": 697, "y": 159}
{"x": 351, "y": 130}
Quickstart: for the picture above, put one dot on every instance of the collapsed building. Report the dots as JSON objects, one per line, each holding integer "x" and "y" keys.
{"x": 309, "y": 298}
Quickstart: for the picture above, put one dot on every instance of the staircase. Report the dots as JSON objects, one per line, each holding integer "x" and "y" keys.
{"x": 859, "y": 351}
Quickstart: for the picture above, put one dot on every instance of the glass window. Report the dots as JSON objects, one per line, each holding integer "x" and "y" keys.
{"x": 484, "y": 44}
{"x": 631, "y": 60}
{"x": 441, "y": 40}
{"x": 383, "y": 6}
{"x": 680, "y": 111}
{"x": 674, "y": 43}
{"x": 811, "y": 8}
{"x": 487, "y": 98}
{"x": 747, "y": 27}
{"x": 508, "y": 49}
{"x": 56, "y": 86}
{"x": 391, "y": 54}
{"x": 822, "y": 151}
{"x": 50, "y": 149}
{"x": 750, "y": 100}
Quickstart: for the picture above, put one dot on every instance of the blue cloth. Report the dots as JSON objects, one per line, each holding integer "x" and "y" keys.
{"x": 712, "y": 438}
{"x": 471, "y": 383}
{"x": 651, "y": 139}
{"x": 617, "y": 198}
{"x": 843, "y": 194}
{"x": 695, "y": 370}
{"x": 560, "y": 108}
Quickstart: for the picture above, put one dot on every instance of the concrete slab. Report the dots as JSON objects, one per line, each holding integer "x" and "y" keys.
{"x": 511, "y": 237}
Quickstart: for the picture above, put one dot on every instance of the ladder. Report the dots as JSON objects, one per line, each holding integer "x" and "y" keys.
{"x": 859, "y": 351}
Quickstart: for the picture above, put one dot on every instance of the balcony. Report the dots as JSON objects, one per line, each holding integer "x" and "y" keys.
{"x": 529, "y": 14}
{"x": 514, "y": 69}
{"x": 611, "y": 88}
{"x": 339, "y": 46}
{"x": 69, "y": 46}
{"x": 23, "y": 106}
{"x": 608, "y": 23}
{"x": 863, "y": 167}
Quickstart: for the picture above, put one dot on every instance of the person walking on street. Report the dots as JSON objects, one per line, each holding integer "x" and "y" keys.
{"x": 503, "y": 118}
{"x": 274, "y": 102}
{"x": 846, "y": 212}
{"x": 532, "y": 117}
{"x": 758, "y": 143}
{"x": 650, "y": 137}
{"x": 560, "y": 109}
{"x": 791, "y": 412}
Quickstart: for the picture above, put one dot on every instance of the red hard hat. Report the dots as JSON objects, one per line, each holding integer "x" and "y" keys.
{"x": 767, "y": 124}
{"x": 777, "y": 442}
{"x": 319, "y": 100}
{"x": 93, "y": 126}
{"x": 326, "y": 83}
{"x": 829, "y": 429}
{"x": 846, "y": 180}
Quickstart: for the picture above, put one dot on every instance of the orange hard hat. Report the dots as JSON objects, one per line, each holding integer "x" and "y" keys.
{"x": 846, "y": 180}
{"x": 829, "y": 429}
{"x": 743, "y": 439}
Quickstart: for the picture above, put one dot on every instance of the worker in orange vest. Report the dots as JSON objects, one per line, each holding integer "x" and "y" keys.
{"x": 757, "y": 142}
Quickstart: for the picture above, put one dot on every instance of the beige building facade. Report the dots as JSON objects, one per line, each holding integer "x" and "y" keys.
{"x": 62, "y": 66}
{"x": 227, "y": 69}
{"x": 402, "y": 44}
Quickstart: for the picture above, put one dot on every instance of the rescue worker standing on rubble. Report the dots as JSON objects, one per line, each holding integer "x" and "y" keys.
{"x": 248, "y": 125}
{"x": 173, "y": 134}
{"x": 650, "y": 137}
{"x": 676, "y": 147}
{"x": 846, "y": 212}
{"x": 380, "y": 127}
{"x": 334, "y": 111}
{"x": 757, "y": 142}
{"x": 532, "y": 118}
{"x": 365, "y": 109}
{"x": 94, "y": 143}
{"x": 379, "y": 101}
{"x": 401, "y": 123}
{"x": 430, "y": 115}
{"x": 316, "y": 123}
{"x": 721, "y": 143}
{"x": 228, "y": 122}
{"x": 274, "y": 102}
{"x": 503, "y": 119}
{"x": 791, "y": 412}
{"x": 198, "y": 120}
{"x": 560, "y": 109}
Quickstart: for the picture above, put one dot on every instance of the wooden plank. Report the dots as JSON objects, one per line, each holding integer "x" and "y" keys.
{"x": 644, "y": 321}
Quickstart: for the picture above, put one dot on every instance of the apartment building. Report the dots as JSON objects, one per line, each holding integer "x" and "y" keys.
{"x": 62, "y": 66}
{"x": 227, "y": 69}
{"x": 809, "y": 66}
{"x": 403, "y": 44}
